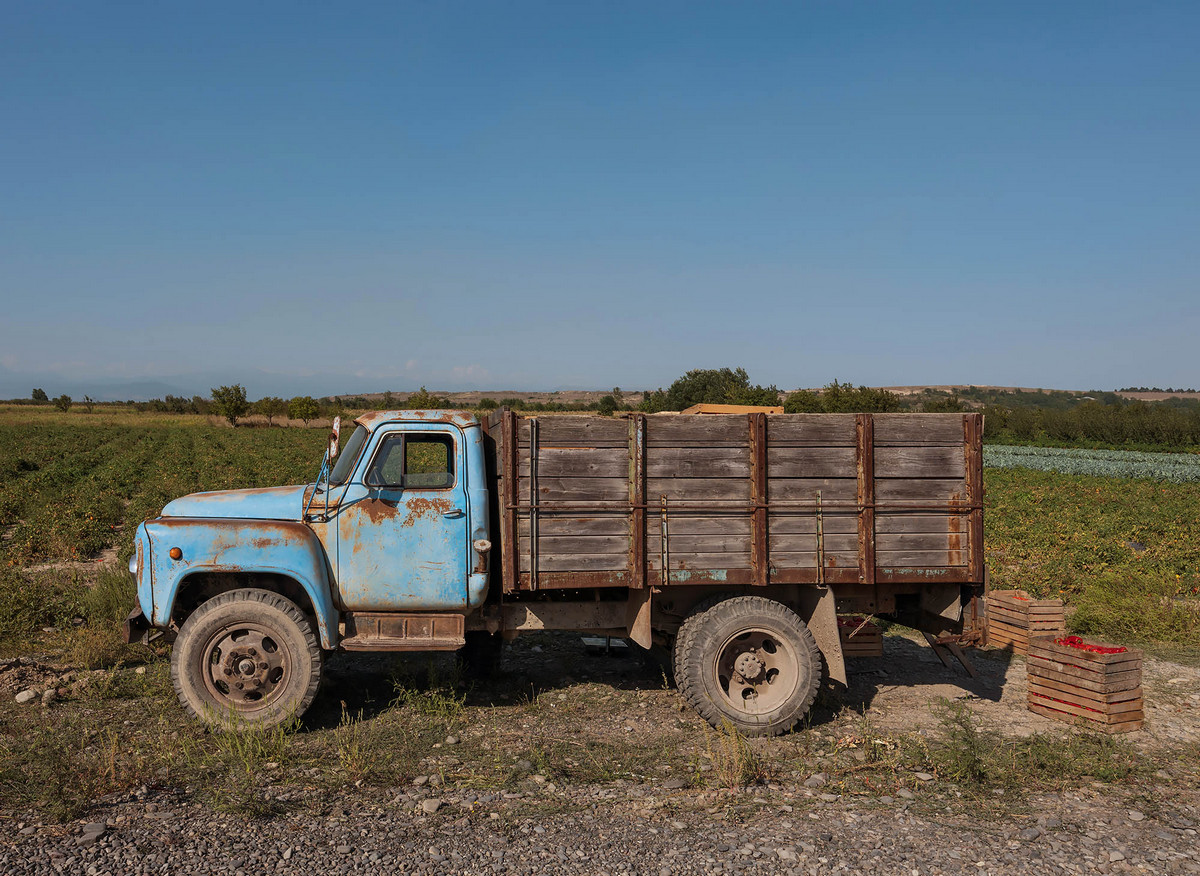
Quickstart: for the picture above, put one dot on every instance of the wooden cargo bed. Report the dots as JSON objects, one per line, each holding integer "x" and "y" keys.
{"x": 756, "y": 499}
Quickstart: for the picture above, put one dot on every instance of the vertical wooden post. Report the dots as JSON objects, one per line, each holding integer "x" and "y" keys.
{"x": 864, "y": 461}
{"x": 511, "y": 564}
{"x": 534, "y": 500}
{"x": 973, "y": 456}
{"x": 760, "y": 560}
{"x": 637, "y": 500}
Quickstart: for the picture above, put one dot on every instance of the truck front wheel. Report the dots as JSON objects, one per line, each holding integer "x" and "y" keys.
{"x": 248, "y": 657}
{"x": 749, "y": 661}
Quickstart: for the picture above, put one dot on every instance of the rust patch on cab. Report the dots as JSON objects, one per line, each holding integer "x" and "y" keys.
{"x": 418, "y": 508}
{"x": 378, "y": 510}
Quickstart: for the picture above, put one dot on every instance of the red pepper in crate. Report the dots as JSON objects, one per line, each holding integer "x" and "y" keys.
{"x": 1076, "y": 642}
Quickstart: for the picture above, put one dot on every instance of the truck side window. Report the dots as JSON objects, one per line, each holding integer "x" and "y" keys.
{"x": 429, "y": 461}
{"x": 414, "y": 461}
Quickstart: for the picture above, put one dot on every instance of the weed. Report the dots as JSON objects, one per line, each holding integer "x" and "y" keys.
{"x": 357, "y": 749}
{"x": 1135, "y": 608}
{"x": 735, "y": 763}
{"x": 434, "y": 695}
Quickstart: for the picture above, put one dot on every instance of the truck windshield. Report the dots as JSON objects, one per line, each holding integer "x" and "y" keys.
{"x": 345, "y": 463}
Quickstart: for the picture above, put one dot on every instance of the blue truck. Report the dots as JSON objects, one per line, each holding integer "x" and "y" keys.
{"x": 727, "y": 543}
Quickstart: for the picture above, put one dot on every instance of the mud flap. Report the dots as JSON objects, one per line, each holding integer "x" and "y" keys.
{"x": 637, "y": 617}
{"x": 818, "y": 609}
{"x": 136, "y": 628}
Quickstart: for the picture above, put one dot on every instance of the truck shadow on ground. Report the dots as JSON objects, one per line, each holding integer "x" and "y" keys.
{"x": 369, "y": 684}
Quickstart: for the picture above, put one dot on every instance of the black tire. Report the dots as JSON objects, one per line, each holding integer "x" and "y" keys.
{"x": 761, "y": 638}
{"x": 247, "y": 657}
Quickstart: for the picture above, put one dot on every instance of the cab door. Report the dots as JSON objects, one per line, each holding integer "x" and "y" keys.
{"x": 403, "y": 537}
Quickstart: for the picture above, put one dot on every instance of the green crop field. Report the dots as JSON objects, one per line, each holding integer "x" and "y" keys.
{"x": 73, "y": 486}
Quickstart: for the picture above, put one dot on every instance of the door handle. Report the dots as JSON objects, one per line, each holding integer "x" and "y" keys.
{"x": 454, "y": 514}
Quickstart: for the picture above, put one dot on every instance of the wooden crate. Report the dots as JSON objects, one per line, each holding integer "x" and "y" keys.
{"x": 1103, "y": 691}
{"x": 859, "y": 639}
{"x": 1013, "y": 616}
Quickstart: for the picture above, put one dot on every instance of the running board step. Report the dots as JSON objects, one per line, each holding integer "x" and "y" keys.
{"x": 393, "y": 631}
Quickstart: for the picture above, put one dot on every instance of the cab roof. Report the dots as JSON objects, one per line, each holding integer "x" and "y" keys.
{"x": 462, "y": 419}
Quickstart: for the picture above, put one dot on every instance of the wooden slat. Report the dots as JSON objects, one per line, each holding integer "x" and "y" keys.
{"x": 1048, "y": 687}
{"x": 895, "y": 523}
{"x": 919, "y": 462}
{"x": 575, "y": 562}
{"x": 701, "y": 561}
{"x": 707, "y": 430}
{"x": 805, "y": 523}
{"x": 842, "y": 560}
{"x": 941, "y": 490}
{"x": 831, "y": 489}
{"x": 920, "y": 558}
{"x": 819, "y": 430}
{"x": 810, "y": 462}
{"x": 699, "y": 489}
{"x": 553, "y": 524}
{"x": 846, "y": 543}
{"x": 920, "y": 430}
{"x": 698, "y": 462}
{"x": 577, "y": 490}
{"x": 575, "y": 431}
{"x": 579, "y": 462}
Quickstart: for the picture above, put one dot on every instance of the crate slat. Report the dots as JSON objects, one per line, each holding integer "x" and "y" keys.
{"x": 1074, "y": 685}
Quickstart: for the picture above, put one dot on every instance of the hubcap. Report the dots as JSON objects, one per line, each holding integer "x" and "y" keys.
{"x": 245, "y": 667}
{"x": 756, "y": 671}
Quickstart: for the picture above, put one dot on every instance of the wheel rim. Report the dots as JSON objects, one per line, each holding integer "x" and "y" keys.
{"x": 756, "y": 671}
{"x": 245, "y": 666}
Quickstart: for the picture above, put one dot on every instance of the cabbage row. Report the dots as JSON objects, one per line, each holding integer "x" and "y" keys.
{"x": 1176, "y": 468}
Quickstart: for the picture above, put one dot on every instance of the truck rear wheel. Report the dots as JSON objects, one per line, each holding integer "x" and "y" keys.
{"x": 750, "y": 661}
{"x": 248, "y": 657}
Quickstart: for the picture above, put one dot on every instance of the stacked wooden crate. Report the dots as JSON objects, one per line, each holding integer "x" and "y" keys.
{"x": 1013, "y": 617}
{"x": 860, "y": 637}
{"x": 1086, "y": 682}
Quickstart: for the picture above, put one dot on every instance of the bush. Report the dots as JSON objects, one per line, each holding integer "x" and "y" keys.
{"x": 63, "y": 403}
{"x": 303, "y": 407}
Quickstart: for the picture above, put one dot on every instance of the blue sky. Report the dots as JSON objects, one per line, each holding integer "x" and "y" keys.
{"x": 529, "y": 195}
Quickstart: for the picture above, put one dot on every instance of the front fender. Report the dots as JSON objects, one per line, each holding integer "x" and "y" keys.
{"x": 238, "y": 546}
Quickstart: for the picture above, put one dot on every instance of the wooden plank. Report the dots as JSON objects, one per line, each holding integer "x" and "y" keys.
{"x": 901, "y": 522}
{"x": 1067, "y": 671}
{"x": 973, "y": 468}
{"x": 1122, "y": 727}
{"x": 557, "y": 524}
{"x": 864, "y": 460}
{"x": 919, "y": 462}
{"x": 809, "y": 430}
{"x": 701, "y": 560}
{"x": 579, "y": 462}
{"x": 575, "y": 431}
{"x": 698, "y": 462}
{"x": 940, "y": 490}
{"x": 805, "y": 523}
{"x": 1106, "y": 715}
{"x": 810, "y": 462}
{"x": 710, "y": 544}
{"x": 1049, "y": 649}
{"x": 924, "y": 541}
{"x": 795, "y": 489}
{"x": 1100, "y": 685}
{"x": 637, "y": 498}
{"x": 734, "y": 525}
{"x": 847, "y": 560}
{"x": 727, "y": 490}
{"x": 759, "y": 541}
{"x": 927, "y": 559}
{"x": 1072, "y": 693}
{"x": 576, "y": 490}
{"x": 707, "y": 430}
{"x": 576, "y": 562}
{"x": 919, "y": 430}
{"x": 844, "y": 543}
